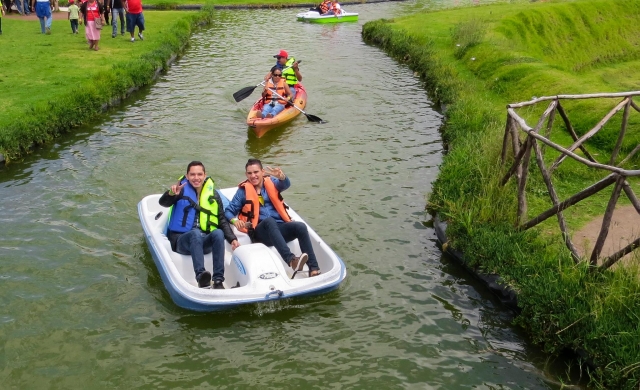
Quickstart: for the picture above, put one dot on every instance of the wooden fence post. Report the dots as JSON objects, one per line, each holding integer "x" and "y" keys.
{"x": 505, "y": 140}
{"x": 606, "y": 221}
{"x": 623, "y": 129}
{"x": 572, "y": 132}
{"x": 590, "y": 133}
{"x": 554, "y": 198}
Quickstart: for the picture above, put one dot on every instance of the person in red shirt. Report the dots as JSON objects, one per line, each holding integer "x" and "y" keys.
{"x": 92, "y": 11}
{"x": 134, "y": 18}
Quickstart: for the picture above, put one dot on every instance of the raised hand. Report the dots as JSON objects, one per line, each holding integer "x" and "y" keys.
{"x": 177, "y": 188}
{"x": 275, "y": 172}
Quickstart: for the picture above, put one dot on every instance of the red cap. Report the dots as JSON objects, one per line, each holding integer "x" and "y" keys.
{"x": 282, "y": 53}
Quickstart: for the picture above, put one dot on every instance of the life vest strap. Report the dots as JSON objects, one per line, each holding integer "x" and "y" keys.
{"x": 194, "y": 205}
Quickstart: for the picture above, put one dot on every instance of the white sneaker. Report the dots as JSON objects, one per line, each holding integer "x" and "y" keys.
{"x": 133, "y": 39}
{"x": 140, "y": 36}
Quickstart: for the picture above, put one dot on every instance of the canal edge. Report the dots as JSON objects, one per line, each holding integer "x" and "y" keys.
{"x": 111, "y": 101}
{"x": 492, "y": 282}
{"x": 197, "y": 7}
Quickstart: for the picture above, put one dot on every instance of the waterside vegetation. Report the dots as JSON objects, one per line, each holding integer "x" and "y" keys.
{"x": 476, "y": 60}
{"x": 51, "y": 83}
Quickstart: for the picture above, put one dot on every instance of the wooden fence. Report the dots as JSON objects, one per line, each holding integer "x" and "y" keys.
{"x": 617, "y": 176}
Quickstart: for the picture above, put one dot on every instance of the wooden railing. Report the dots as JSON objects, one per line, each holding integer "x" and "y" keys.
{"x": 617, "y": 175}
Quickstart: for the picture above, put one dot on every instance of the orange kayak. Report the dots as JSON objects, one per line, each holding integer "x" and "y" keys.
{"x": 261, "y": 126}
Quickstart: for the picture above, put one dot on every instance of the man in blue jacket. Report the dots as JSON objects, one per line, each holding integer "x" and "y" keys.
{"x": 263, "y": 214}
{"x": 197, "y": 224}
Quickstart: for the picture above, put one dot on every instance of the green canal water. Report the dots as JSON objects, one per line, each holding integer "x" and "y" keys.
{"x": 83, "y": 305}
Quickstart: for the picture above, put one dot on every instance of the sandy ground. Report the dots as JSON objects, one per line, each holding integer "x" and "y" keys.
{"x": 625, "y": 227}
{"x": 62, "y": 14}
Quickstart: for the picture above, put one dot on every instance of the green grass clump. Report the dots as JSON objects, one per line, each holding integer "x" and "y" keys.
{"x": 507, "y": 54}
{"x": 58, "y": 83}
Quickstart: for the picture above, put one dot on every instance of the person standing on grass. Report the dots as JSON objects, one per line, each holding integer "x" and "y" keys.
{"x": 107, "y": 10}
{"x": 134, "y": 18}
{"x": 1, "y": 14}
{"x": 7, "y": 6}
{"x": 42, "y": 8}
{"x": 73, "y": 16}
{"x": 92, "y": 11}
{"x": 23, "y": 7}
{"x": 117, "y": 8}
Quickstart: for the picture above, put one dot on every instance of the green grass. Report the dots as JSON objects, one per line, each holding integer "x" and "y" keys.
{"x": 172, "y": 4}
{"x": 476, "y": 60}
{"x": 50, "y": 83}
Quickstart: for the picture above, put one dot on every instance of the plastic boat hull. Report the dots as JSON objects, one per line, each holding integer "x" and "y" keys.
{"x": 261, "y": 126}
{"x": 315, "y": 17}
{"x": 254, "y": 273}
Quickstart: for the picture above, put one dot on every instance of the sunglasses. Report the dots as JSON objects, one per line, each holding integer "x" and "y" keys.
{"x": 277, "y": 75}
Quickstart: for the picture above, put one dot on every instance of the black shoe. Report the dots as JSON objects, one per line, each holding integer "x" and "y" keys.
{"x": 217, "y": 285}
{"x": 113, "y": 35}
{"x": 204, "y": 279}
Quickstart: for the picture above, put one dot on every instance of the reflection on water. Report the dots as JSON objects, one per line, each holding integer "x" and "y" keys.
{"x": 84, "y": 306}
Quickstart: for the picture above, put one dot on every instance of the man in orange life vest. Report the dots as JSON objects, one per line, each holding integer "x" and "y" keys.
{"x": 324, "y": 7}
{"x": 259, "y": 205}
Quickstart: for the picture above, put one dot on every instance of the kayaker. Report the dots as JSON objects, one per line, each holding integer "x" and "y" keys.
{"x": 198, "y": 224}
{"x": 335, "y": 9}
{"x": 324, "y": 7}
{"x": 292, "y": 75}
{"x": 273, "y": 104}
{"x": 259, "y": 210}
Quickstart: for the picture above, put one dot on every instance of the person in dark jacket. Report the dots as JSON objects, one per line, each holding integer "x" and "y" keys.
{"x": 117, "y": 8}
{"x": 197, "y": 224}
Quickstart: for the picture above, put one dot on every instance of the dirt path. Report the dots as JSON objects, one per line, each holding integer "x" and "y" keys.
{"x": 32, "y": 16}
{"x": 625, "y": 227}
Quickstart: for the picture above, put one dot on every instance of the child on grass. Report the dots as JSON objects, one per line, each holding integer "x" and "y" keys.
{"x": 73, "y": 16}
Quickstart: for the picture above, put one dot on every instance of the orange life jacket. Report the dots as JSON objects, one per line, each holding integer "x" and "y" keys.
{"x": 335, "y": 7}
{"x": 251, "y": 209}
{"x": 324, "y": 7}
{"x": 279, "y": 90}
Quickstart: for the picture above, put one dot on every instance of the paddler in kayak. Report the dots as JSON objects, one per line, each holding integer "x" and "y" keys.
{"x": 273, "y": 104}
{"x": 291, "y": 75}
{"x": 324, "y": 7}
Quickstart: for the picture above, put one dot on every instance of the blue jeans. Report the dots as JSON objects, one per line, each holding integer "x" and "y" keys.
{"x": 196, "y": 243}
{"x": 134, "y": 20}
{"x": 24, "y": 11}
{"x": 272, "y": 233}
{"x": 114, "y": 23}
{"x": 43, "y": 11}
{"x": 293, "y": 92}
{"x": 273, "y": 110}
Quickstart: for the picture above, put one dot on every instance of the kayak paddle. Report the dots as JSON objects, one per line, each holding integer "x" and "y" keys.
{"x": 247, "y": 91}
{"x": 312, "y": 118}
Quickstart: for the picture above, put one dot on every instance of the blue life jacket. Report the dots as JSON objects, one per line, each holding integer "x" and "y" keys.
{"x": 183, "y": 212}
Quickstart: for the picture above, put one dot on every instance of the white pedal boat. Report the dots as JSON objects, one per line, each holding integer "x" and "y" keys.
{"x": 253, "y": 272}
{"x": 315, "y": 17}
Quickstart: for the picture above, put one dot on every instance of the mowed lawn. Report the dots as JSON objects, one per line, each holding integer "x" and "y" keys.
{"x": 35, "y": 68}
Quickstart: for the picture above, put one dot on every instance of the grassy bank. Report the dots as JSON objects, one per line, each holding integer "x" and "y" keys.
{"x": 475, "y": 61}
{"x": 50, "y": 83}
